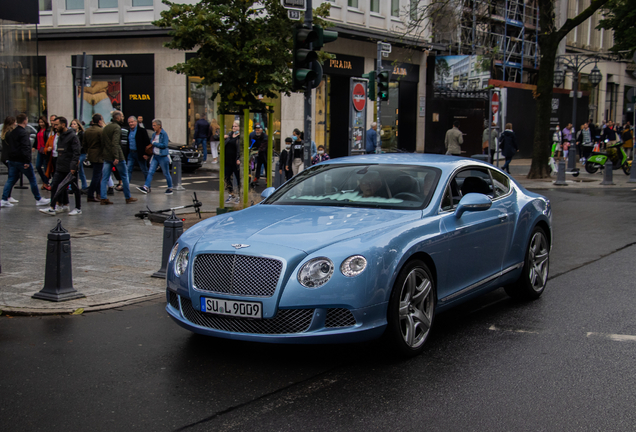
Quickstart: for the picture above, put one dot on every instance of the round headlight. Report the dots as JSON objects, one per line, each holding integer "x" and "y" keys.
{"x": 315, "y": 272}
{"x": 173, "y": 252}
{"x": 353, "y": 266}
{"x": 181, "y": 264}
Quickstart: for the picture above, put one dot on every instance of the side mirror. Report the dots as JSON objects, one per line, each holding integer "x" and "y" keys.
{"x": 473, "y": 202}
{"x": 267, "y": 192}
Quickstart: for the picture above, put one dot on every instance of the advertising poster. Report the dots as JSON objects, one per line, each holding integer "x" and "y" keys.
{"x": 462, "y": 72}
{"x": 102, "y": 97}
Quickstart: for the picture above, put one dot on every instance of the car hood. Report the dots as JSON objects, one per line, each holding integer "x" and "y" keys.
{"x": 304, "y": 228}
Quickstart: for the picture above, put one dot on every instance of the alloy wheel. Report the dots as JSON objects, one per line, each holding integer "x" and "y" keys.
{"x": 416, "y": 308}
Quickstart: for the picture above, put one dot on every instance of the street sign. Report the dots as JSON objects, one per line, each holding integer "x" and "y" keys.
{"x": 359, "y": 97}
{"x": 293, "y": 14}
{"x": 294, "y": 4}
{"x": 385, "y": 47}
{"x": 495, "y": 103}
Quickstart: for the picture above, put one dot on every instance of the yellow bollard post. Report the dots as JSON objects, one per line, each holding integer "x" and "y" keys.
{"x": 270, "y": 148}
{"x": 222, "y": 161}
{"x": 246, "y": 155}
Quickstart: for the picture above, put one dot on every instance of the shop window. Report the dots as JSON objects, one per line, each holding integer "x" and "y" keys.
{"x": 107, "y": 4}
{"x": 353, "y": 3}
{"x": 74, "y": 4}
{"x": 375, "y": 6}
{"x": 137, "y": 3}
{"x": 45, "y": 5}
{"x": 322, "y": 114}
{"x": 395, "y": 8}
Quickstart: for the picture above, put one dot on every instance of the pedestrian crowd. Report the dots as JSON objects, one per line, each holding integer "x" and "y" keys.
{"x": 63, "y": 148}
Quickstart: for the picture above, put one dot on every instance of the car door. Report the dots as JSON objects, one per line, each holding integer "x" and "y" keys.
{"x": 476, "y": 242}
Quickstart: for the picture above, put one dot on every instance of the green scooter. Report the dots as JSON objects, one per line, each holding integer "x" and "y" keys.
{"x": 615, "y": 153}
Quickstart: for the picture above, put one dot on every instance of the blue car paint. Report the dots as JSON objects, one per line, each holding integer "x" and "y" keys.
{"x": 387, "y": 238}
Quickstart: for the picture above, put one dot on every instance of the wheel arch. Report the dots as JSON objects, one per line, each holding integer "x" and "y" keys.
{"x": 426, "y": 258}
{"x": 546, "y": 228}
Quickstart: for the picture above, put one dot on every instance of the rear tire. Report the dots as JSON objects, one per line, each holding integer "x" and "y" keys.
{"x": 534, "y": 275}
{"x": 627, "y": 168}
{"x": 411, "y": 309}
{"x": 591, "y": 167}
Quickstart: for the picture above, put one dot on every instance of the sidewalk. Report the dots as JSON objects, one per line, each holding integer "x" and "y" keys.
{"x": 114, "y": 254}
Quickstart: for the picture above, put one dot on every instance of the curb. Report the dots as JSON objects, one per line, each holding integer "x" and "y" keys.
{"x": 67, "y": 311}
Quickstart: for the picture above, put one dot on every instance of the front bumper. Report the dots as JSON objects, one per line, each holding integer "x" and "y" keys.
{"x": 323, "y": 324}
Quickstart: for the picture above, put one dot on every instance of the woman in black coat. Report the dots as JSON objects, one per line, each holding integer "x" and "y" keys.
{"x": 508, "y": 146}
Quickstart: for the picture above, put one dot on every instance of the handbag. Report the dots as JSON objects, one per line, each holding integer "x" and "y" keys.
{"x": 485, "y": 145}
{"x": 149, "y": 149}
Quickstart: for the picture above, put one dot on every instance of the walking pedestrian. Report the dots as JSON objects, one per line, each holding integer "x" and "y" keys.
{"x": 214, "y": 138}
{"x": 628, "y": 140}
{"x": 140, "y": 121}
{"x": 77, "y": 126}
{"x": 138, "y": 141}
{"x": 19, "y": 162}
{"x": 113, "y": 156}
{"x": 609, "y": 134}
{"x": 584, "y": 142}
{"x": 160, "y": 157}
{"x": 258, "y": 140}
{"x": 372, "y": 138}
{"x": 51, "y": 148}
{"x": 201, "y": 132}
{"x": 9, "y": 125}
{"x": 285, "y": 154}
{"x": 454, "y": 140}
{"x": 68, "y": 150}
{"x": 508, "y": 146}
{"x": 490, "y": 143}
{"x": 40, "y": 145}
{"x": 233, "y": 161}
{"x": 295, "y": 161}
{"x": 93, "y": 147}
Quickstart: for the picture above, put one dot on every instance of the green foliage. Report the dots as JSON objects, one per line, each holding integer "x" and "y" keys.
{"x": 620, "y": 16}
{"x": 242, "y": 45}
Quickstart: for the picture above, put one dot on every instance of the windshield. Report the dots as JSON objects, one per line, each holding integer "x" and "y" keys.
{"x": 404, "y": 187}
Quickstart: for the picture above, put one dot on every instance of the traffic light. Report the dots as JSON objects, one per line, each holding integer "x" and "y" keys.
{"x": 304, "y": 61}
{"x": 371, "y": 88}
{"x": 324, "y": 36}
{"x": 383, "y": 85}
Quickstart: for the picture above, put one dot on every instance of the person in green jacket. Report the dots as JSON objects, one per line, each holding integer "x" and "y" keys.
{"x": 113, "y": 156}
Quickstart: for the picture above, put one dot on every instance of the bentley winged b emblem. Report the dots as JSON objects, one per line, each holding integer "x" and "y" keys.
{"x": 240, "y": 246}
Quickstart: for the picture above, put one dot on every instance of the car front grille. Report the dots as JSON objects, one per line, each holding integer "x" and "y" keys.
{"x": 173, "y": 299}
{"x": 190, "y": 154}
{"x": 339, "y": 318}
{"x": 242, "y": 275}
{"x": 285, "y": 322}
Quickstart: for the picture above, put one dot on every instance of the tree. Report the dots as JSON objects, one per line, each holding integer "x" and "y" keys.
{"x": 620, "y": 16}
{"x": 242, "y": 45}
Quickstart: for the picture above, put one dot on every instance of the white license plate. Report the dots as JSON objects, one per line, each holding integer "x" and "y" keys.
{"x": 195, "y": 160}
{"x": 234, "y": 308}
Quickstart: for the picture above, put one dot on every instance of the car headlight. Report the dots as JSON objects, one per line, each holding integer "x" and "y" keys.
{"x": 173, "y": 252}
{"x": 174, "y": 152}
{"x": 181, "y": 264}
{"x": 315, "y": 272}
{"x": 353, "y": 266}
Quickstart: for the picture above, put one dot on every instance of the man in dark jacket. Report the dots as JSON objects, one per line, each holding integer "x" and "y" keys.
{"x": 114, "y": 157}
{"x": 19, "y": 161}
{"x": 258, "y": 140}
{"x": 68, "y": 155}
{"x": 93, "y": 148}
{"x": 508, "y": 146}
{"x": 138, "y": 140}
{"x": 201, "y": 132}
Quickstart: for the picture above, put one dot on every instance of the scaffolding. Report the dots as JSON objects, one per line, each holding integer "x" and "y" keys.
{"x": 506, "y": 31}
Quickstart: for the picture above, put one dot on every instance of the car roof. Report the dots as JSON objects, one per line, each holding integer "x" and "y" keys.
{"x": 443, "y": 162}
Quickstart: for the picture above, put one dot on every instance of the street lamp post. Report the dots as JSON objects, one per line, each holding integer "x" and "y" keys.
{"x": 574, "y": 63}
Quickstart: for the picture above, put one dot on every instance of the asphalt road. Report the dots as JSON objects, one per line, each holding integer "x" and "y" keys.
{"x": 564, "y": 362}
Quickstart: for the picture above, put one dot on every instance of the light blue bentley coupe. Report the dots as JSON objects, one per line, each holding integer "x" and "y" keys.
{"x": 361, "y": 247}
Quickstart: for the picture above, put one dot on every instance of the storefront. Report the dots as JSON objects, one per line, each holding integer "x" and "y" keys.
{"x": 119, "y": 82}
{"x": 399, "y": 114}
{"x": 332, "y": 102}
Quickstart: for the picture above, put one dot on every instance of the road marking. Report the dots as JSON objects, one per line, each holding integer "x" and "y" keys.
{"x": 495, "y": 328}
{"x": 201, "y": 181}
{"x": 614, "y": 337}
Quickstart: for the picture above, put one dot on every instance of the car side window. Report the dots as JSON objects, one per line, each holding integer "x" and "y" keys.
{"x": 447, "y": 200}
{"x": 475, "y": 180}
{"x": 501, "y": 183}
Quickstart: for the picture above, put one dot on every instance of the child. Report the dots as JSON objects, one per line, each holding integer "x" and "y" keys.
{"x": 320, "y": 156}
{"x": 282, "y": 161}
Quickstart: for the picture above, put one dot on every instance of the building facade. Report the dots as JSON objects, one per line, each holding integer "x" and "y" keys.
{"x": 130, "y": 71}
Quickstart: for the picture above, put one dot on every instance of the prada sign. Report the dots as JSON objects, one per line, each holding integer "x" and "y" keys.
{"x": 344, "y": 65}
{"x": 110, "y": 64}
{"x": 402, "y": 71}
{"x": 122, "y": 64}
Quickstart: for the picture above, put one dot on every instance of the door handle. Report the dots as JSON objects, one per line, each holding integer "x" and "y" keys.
{"x": 503, "y": 217}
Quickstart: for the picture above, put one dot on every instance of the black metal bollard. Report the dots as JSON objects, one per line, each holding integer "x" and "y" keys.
{"x": 572, "y": 157}
{"x": 560, "y": 181}
{"x": 608, "y": 176}
{"x": 58, "y": 276}
{"x": 172, "y": 230}
{"x": 176, "y": 171}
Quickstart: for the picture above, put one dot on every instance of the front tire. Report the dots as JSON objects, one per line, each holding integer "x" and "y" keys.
{"x": 627, "y": 168}
{"x": 534, "y": 275}
{"x": 591, "y": 167}
{"x": 411, "y": 309}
